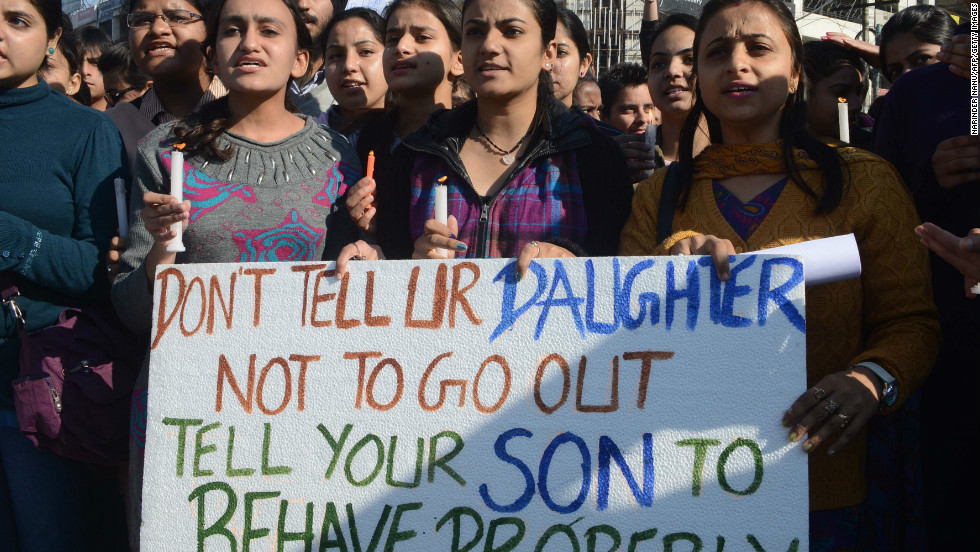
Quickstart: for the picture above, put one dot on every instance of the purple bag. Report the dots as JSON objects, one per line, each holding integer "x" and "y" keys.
{"x": 76, "y": 377}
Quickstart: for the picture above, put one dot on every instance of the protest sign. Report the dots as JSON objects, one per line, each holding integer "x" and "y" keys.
{"x": 595, "y": 405}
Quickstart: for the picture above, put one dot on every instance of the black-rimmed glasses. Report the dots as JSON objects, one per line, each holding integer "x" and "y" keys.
{"x": 144, "y": 20}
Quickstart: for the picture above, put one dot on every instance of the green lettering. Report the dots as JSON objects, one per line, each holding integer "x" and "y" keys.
{"x": 283, "y": 536}
{"x": 608, "y": 530}
{"x": 443, "y": 461}
{"x": 637, "y": 538}
{"x": 756, "y": 456}
{"x": 378, "y": 529}
{"x": 218, "y": 528}
{"x": 793, "y": 546}
{"x": 700, "y": 451}
{"x": 249, "y": 534}
{"x": 230, "y": 471}
{"x": 181, "y": 423}
{"x": 456, "y": 514}
{"x": 512, "y": 542}
{"x": 554, "y": 530}
{"x": 336, "y": 445}
{"x": 266, "y": 468}
{"x": 695, "y": 540}
{"x": 330, "y": 520}
{"x": 369, "y": 438}
{"x": 200, "y": 451}
{"x": 394, "y": 535}
{"x": 389, "y": 476}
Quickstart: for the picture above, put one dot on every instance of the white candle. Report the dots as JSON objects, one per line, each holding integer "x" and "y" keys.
{"x": 121, "y": 217}
{"x": 176, "y": 245}
{"x": 441, "y": 209}
{"x": 843, "y": 120}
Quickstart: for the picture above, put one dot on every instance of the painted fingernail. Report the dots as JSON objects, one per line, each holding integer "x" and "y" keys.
{"x": 452, "y": 236}
{"x": 793, "y": 436}
{"x": 517, "y": 275}
{"x": 807, "y": 446}
{"x": 786, "y": 421}
{"x": 461, "y": 246}
{"x": 831, "y": 452}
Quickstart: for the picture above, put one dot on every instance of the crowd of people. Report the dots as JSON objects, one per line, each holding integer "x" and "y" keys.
{"x": 725, "y": 140}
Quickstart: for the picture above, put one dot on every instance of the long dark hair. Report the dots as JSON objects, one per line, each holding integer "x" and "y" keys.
{"x": 51, "y": 14}
{"x": 793, "y": 130}
{"x": 69, "y": 47}
{"x": 546, "y": 14}
{"x": 199, "y": 131}
{"x": 573, "y": 25}
{"x": 927, "y": 24}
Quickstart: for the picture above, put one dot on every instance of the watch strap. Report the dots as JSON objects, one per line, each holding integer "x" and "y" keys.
{"x": 890, "y": 389}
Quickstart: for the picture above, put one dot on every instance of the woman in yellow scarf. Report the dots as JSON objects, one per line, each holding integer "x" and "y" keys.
{"x": 767, "y": 181}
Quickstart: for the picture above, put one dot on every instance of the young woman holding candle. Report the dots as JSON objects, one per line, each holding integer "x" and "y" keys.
{"x": 525, "y": 177}
{"x": 421, "y": 63}
{"x": 260, "y": 183}
{"x": 834, "y": 72}
{"x": 767, "y": 181}
{"x": 57, "y": 164}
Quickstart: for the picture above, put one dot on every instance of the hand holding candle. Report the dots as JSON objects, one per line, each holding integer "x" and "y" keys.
{"x": 441, "y": 209}
{"x": 370, "y": 165}
{"x": 843, "y": 120}
{"x": 176, "y": 245}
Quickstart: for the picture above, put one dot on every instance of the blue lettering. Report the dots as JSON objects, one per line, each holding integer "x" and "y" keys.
{"x": 508, "y": 314}
{"x": 607, "y": 450}
{"x": 500, "y": 449}
{"x": 549, "y": 453}
{"x": 650, "y": 299}
{"x": 778, "y": 295}
{"x": 590, "y": 323}
{"x": 692, "y": 293}
{"x": 569, "y": 300}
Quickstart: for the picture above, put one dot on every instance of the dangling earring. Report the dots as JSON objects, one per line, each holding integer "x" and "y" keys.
{"x": 50, "y": 51}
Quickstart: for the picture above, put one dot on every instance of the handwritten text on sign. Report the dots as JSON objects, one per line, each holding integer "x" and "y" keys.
{"x": 597, "y": 404}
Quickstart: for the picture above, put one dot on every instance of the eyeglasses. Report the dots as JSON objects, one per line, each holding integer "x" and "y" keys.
{"x": 144, "y": 20}
{"x": 112, "y": 97}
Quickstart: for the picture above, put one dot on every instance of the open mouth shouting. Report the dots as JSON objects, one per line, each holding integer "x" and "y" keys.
{"x": 160, "y": 48}
{"x": 739, "y": 89}
{"x": 249, "y": 64}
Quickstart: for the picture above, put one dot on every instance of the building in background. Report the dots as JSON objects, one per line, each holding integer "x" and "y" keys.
{"x": 614, "y": 25}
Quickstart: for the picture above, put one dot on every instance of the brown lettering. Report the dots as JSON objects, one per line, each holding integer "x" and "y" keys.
{"x": 457, "y": 296}
{"x": 646, "y": 357}
{"x": 287, "y": 390}
{"x": 162, "y": 324}
{"x": 399, "y": 378}
{"x": 228, "y": 309}
{"x": 539, "y": 376}
{"x": 303, "y": 360}
{"x": 320, "y": 298}
{"x": 443, "y": 385}
{"x": 369, "y": 318}
{"x": 307, "y": 269}
{"x": 361, "y": 366}
{"x": 613, "y": 393}
{"x": 503, "y": 395}
{"x": 224, "y": 371}
{"x": 344, "y": 323}
{"x": 438, "y": 302}
{"x": 258, "y": 273}
{"x": 183, "y": 307}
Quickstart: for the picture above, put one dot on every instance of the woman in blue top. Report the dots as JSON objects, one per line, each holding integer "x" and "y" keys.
{"x": 57, "y": 163}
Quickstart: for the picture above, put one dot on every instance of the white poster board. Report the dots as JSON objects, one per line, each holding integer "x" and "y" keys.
{"x": 598, "y": 404}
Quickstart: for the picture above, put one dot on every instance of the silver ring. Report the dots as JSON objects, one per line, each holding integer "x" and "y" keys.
{"x": 832, "y": 406}
{"x": 844, "y": 420}
{"x": 535, "y": 244}
{"x": 819, "y": 393}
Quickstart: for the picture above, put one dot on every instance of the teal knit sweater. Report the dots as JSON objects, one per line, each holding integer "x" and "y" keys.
{"x": 57, "y": 212}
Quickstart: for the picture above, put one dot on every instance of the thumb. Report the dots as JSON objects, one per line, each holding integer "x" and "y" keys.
{"x": 453, "y": 226}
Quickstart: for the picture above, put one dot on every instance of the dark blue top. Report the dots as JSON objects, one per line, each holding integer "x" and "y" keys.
{"x": 57, "y": 208}
{"x": 925, "y": 107}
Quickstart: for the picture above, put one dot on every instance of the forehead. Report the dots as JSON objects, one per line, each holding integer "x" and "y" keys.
{"x": 255, "y": 8}
{"x": 414, "y": 16}
{"x": 747, "y": 18}
{"x": 638, "y": 95}
{"x": 904, "y": 46}
{"x": 674, "y": 39}
{"x": 845, "y": 74}
{"x": 161, "y": 5}
{"x": 350, "y": 31}
{"x": 496, "y": 10}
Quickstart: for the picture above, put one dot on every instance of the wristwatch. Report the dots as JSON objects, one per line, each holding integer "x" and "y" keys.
{"x": 889, "y": 392}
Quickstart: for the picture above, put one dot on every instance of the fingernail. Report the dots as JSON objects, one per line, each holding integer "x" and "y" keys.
{"x": 452, "y": 236}
{"x": 807, "y": 446}
{"x": 786, "y": 422}
{"x": 517, "y": 275}
{"x": 724, "y": 276}
{"x": 461, "y": 246}
{"x": 793, "y": 436}
{"x": 831, "y": 452}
